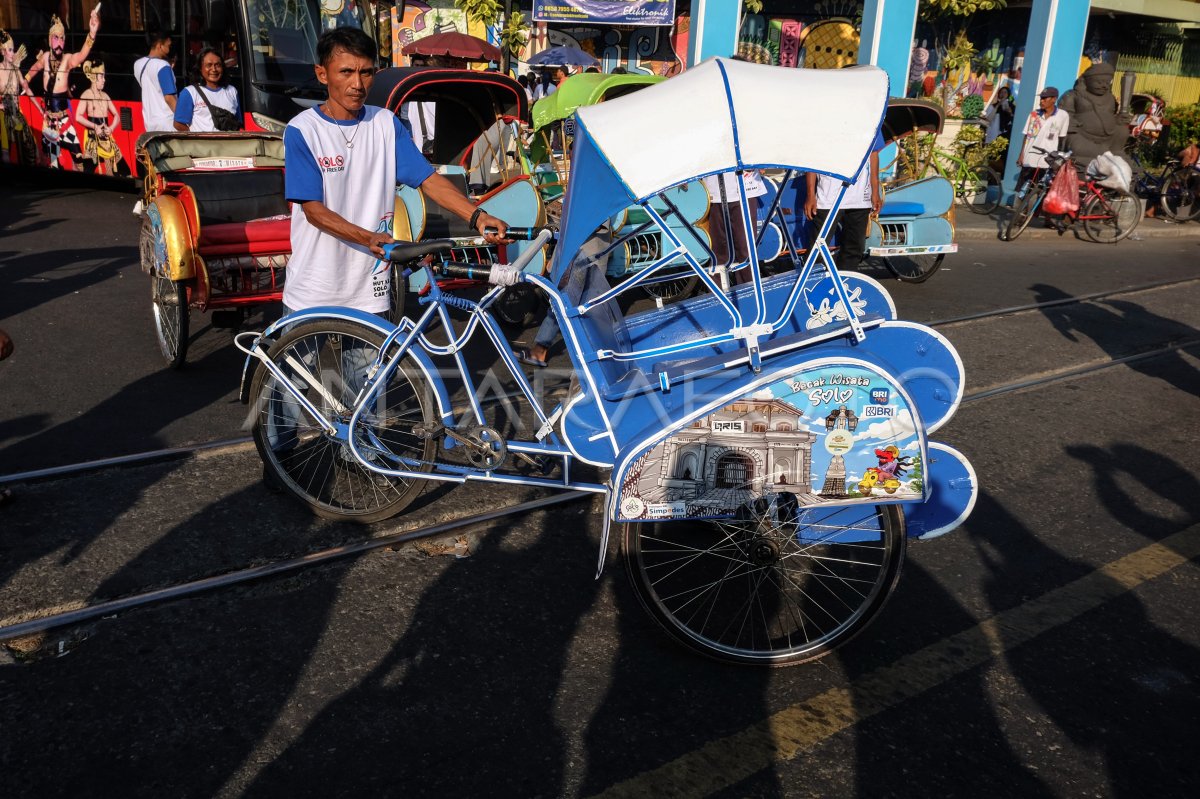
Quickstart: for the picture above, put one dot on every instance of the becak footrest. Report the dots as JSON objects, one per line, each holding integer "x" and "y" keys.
{"x": 268, "y": 236}
{"x": 953, "y": 489}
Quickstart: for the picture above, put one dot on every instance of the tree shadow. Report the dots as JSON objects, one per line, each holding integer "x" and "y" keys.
{"x": 37, "y": 278}
{"x": 1123, "y": 328}
{"x": 1111, "y": 680}
{"x": 664, "y": 701}
{"x": 464, "y": 702}
{"x": 26, "y": 538}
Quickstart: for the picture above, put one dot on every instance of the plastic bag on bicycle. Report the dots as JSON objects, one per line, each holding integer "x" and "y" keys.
{"x": 1063, "y": 197}
{"x": 1110, "y": 171}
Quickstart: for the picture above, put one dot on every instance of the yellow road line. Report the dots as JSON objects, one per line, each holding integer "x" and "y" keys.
{"x": 780, "y": 737}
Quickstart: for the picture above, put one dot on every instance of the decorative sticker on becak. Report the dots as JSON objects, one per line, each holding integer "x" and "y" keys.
{"x": 839, "y": 434}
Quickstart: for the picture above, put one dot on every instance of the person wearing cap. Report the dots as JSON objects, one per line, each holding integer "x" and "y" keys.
{"x": 1045, "y": 128}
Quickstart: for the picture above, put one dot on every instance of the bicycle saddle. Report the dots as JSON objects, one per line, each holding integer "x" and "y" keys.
{"x": 404, "y": 251}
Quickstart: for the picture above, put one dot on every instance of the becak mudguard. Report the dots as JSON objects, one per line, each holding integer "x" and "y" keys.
{"x": 838, "y": 432}
{"x": 953, "y": 489}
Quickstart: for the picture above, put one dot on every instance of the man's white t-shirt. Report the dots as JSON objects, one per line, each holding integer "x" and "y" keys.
{"x": 359, "y": 184}
{"x": 752, "y": 179}
{"x": 157, "y": 81}
{"x": 858, "y": 195}
{"x": 1042, "y": 131}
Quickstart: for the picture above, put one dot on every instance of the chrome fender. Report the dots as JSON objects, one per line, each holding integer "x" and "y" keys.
{"x": 380, "y": 325}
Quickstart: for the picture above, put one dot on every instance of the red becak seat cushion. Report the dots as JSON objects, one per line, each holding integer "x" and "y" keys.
{"x": 269, "y": 236}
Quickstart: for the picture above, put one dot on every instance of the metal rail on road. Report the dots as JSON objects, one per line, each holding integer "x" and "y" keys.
{"x": 180, "y": 452}
{"x": 79, "y": 615}
{"x": 1061, "y": 301}
{"x": 1078, "y": 371}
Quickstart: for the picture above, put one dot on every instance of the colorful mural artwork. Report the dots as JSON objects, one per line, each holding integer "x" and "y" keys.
{"x": 645, "y": 50}
{"x": 17, "y": 144}
{"x": 97, "y": 115}
{"x": 827, "y": 44}
{"x": 60, "y": 142}
{"x": 421, "y": 19}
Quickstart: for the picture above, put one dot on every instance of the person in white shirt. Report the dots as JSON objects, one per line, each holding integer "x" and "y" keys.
{"x": 157, "y": 80}
{"x": 725, "y": 207}
{"x": 863, "y": 198}
{"x": 1045, "y": 128}
{"x": 344, "y": 160}
{"x": 194, "y": 109}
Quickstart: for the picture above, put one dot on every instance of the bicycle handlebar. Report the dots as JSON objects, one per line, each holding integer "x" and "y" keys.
{"x": 522, "y": 233}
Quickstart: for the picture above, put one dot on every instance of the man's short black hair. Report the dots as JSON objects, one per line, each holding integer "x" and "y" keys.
{"x": 348, "y": 38}
{"x": 154, "y": 35}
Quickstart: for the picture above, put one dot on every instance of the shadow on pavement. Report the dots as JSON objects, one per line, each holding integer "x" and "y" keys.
{"x": 1117, "y": 327}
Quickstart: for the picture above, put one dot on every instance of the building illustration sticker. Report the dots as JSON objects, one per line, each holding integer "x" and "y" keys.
{"x": 835, "y": 434}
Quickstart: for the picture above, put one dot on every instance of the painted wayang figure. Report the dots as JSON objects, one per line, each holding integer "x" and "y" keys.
{"x": 57, "y": 132}
{"x": 96, "y": 114}
{"x": 16, "y": 138}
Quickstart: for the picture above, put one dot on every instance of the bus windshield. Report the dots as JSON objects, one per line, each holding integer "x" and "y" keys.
{"x": 283, "y": 40}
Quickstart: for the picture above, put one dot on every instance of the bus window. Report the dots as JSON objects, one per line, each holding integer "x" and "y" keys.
{"x": 283, "y": 45}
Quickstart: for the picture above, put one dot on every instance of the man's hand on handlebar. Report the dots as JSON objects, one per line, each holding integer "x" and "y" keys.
{"x": 493, "y": 230}
{"x": 376, "y": 241}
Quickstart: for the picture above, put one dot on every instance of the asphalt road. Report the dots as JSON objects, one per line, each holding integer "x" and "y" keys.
{"x": 1044, "y": 649}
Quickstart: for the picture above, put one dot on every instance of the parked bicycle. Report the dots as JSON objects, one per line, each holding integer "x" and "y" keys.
{"x": 1108, "y": 215}
{"x": 976, "y": 185}
{"x": 1172, "y": 187}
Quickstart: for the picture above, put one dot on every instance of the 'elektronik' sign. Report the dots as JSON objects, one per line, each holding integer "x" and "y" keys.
{"x": 606, "y": 12}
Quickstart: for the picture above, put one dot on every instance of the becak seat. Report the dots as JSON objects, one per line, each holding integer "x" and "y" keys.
{"x": 268, "y": 236}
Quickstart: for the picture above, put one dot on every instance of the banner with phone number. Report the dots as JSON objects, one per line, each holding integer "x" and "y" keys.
{"x": 606, "y": 12}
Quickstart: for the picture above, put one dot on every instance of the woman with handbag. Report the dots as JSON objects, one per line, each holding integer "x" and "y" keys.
{"x": 208, "y": 104}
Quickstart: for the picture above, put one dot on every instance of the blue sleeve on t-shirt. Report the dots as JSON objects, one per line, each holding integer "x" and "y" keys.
{"x": 302, "y": 178}
{"x": 185, "y": 107}
{"x": 166, "y": 80}
{"x": 878, "y": 145}
{"x": 412, "y": 169}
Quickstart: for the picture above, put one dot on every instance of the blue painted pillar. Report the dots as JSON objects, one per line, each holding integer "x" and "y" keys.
{"x": 1052, "y": 52}
{"x": 714, "y": 29}
{"x": 886, "y": 41}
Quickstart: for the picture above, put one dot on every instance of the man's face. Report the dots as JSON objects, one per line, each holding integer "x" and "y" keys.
{"x": 6, "y": 52}
{"x": 56, "y": 44}
{"x": 348, "y": 78}
{"x": 1048, "y": 104}
{"x": 1098, "y": 84}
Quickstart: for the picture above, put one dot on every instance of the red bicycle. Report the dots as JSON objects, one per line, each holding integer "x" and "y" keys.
{"x": 1108, "y": 215}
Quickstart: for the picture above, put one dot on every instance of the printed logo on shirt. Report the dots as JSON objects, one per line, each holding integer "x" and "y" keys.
{"x": 335, "y": 164}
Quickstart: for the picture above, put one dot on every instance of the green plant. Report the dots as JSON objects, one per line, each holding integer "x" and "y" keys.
{"x": 993, "y": 154}
{"x": 972, "y": 106}
{"x": 486, "y": 12}
{"x": 753, "y": 6}
{"x": 1184, "y": 121}
{"x": 515, "y": 33}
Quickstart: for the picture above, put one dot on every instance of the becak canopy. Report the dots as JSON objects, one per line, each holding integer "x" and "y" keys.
{"x": 719, "y": 116}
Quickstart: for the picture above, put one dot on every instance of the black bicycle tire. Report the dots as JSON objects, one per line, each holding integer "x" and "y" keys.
{"x": 1024, "y": 209}
{"x": 990, "y": 178}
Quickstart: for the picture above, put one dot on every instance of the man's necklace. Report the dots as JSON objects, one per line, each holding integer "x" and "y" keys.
{"x": 350, "y": 141}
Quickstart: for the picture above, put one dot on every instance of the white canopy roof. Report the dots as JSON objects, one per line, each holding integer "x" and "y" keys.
{"x": 725, "y": 114}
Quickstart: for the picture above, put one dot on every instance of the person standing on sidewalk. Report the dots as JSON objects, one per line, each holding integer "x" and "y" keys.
{"x": 1046, "y": 128}
{"x": 863, "y": 198}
